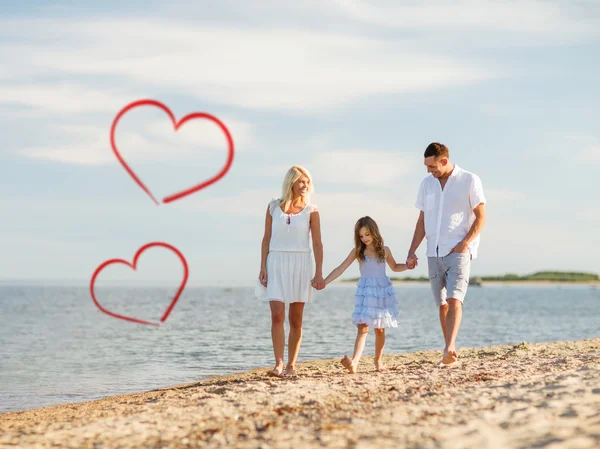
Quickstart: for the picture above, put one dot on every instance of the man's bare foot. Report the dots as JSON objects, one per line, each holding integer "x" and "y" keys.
{"x": 276, "y": 372}
{"x": 380, "y": 367}
{"x": 290, "y": 371}
{"x": 450, "y": 358}
{"x": 347, "y": 362}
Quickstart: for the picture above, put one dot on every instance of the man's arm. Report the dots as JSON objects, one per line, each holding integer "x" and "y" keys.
{"x": 476, "y": 228}
{"x": 418, "y": 236}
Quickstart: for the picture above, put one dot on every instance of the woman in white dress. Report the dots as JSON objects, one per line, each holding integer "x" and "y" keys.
{"x": 286, "y": 266}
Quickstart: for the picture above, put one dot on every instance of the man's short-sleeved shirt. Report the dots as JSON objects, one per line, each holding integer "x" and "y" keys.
{"x": 449, "y": 212}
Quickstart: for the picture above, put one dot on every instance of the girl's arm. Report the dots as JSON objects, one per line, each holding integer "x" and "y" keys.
{"x": 315, "y": 229}
{"x": 343, "y": 267}
{"x": 397, "y": 267}
{"x": 265, "y": 248}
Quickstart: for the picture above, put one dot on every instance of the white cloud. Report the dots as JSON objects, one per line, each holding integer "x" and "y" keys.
{"x": 91, "y": 154}
{"x": 248, "y": 203}
{"x": 590, "y": 154}
{"x": 202, "y": 133}
{"x": 361, "y": 167}
{"x": 346, "y": 168}
{"x": 337, "y": 207}
{"x": 530, "y": 16}
{"x": 503, "y": 195}
{"x": 291, "y": 67}
{"x": 584, "y": 147}
{"x": 64, "y": 98}
{"x": 589, "y": 213}
{"x": 157, "y": 141}
{"x": 275, "y": 69}
{"x": 349, "y": 207}
{"x": 340, "y": 211}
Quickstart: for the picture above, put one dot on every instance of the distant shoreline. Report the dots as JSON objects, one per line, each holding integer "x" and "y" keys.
{"x": 494, "y": 283}
{"x": 538, "y": 278}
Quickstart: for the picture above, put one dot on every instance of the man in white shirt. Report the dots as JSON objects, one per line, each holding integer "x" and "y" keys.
{"x": 452, "y": 216}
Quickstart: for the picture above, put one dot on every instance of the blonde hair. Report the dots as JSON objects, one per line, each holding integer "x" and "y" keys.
{"x": 359, "y": 246}
{"x": 287, "y": 195}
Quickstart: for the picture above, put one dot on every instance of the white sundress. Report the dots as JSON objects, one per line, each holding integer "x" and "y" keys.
{"x": 290, "y": 265}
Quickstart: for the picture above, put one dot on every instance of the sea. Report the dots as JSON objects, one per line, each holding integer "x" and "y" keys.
{"x": 57, "y": 347}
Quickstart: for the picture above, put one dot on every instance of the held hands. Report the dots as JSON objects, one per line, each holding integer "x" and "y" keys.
{"x": 318, "y": 282}
{"x": 412, "y": 261}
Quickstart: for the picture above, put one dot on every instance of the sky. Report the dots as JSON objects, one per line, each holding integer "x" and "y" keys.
{"x": 352, "y": 90}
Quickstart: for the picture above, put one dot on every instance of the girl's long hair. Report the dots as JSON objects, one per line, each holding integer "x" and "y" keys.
{"x": 359, "y": 246}
{"x": 293, "y": 174}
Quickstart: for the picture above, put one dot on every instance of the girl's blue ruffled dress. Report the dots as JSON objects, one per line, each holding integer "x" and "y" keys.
{"x": 376, "y": 303}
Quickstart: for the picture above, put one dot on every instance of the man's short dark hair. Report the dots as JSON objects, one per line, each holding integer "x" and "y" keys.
{"x": 437, "y": 150}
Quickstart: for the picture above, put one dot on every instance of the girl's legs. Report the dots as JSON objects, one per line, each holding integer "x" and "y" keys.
{"x": 379, "y": 344}
{"x": 361, "y": 338}
{"x": 295, "y": 337}
{"x": 278, "y": 336}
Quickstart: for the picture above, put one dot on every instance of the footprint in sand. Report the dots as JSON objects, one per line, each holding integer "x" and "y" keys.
{"x": 220, "y": 390}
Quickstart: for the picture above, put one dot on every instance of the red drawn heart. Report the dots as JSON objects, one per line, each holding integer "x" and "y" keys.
{"x": 176, "y": 125}
{"x": 135, "y": 259}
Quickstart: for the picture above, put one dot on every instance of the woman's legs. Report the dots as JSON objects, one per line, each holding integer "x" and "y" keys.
{"x": 361, "y": 338}
{"x": 295, "y": 337}
{"x": 379, "y": 344}
{"x": 278, "y": 335}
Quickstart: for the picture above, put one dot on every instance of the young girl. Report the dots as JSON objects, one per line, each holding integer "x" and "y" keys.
{"x": 376, "y": 303}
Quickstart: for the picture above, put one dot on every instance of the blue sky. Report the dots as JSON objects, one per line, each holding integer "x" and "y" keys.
{"x": 352, "y": 90}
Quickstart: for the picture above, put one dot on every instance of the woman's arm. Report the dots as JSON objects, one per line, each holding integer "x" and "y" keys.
{"x": 265, "y": 248}
{"x": 315, "y": 229}
{"x": 337, "y": 272}
{"x": 397, "y": 267}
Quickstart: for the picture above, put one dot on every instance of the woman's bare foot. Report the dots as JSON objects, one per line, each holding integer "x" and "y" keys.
{"x": 380, "y": 367}
{"x": 347, "y": 362}
{"x": 276, "y": 372}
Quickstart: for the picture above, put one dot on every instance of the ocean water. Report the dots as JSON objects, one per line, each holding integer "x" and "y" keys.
{"x": 57, "y": 347}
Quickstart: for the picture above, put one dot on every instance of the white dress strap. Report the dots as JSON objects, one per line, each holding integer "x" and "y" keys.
{"x": 272, "y": 205}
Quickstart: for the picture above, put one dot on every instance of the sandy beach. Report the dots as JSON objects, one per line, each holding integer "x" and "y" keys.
{"x": 515, "y": 396}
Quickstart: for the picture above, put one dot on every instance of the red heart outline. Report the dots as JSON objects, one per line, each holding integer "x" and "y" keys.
{"x": 176, "y": 126}
{"x": 135, "y": 259}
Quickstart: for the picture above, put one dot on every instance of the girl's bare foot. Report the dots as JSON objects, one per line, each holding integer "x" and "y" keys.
{"x": 290, "y": 371}
{"x": 380, "y": 367}
{"x": 347, "y": 362}
{"x": 276, "y": 372}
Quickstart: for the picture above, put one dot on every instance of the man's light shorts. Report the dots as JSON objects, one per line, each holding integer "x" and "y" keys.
{"x": 449, "y": 276}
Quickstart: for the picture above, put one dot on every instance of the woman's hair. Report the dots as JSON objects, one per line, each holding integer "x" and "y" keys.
{"x": 293, "y": 174}
{"x": 359, "y": 246}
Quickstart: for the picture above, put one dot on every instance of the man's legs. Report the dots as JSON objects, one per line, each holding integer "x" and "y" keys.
{"x": 437, "y": 280}
{"x": 457, "y": 281}
{"x": 453, "y": 319}
{"x": 443, "y": 317}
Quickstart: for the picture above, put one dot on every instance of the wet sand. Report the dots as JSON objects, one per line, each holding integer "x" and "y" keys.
{"x": 515, "y": 396}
